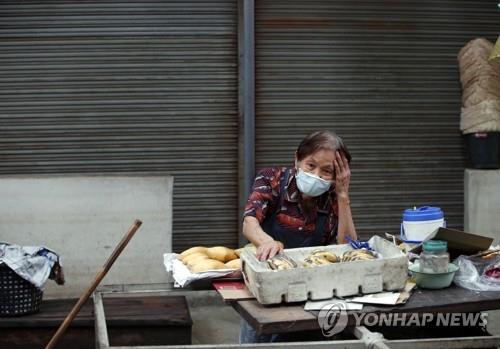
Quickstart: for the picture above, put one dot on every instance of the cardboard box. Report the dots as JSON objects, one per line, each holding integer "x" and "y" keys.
{"x": 459, "y": 242}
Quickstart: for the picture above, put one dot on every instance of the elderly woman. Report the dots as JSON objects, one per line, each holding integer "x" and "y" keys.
{"x": 306, "y": 205}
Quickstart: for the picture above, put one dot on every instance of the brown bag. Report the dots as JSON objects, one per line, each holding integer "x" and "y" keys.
{"x": 483, "y": 117}
{"x": 481, "y": 89}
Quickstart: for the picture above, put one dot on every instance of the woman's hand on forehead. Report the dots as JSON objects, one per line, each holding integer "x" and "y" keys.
{"x": 342, "y": 174}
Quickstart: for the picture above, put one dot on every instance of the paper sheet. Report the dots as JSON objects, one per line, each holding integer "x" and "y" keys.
{"x": 318, "y": 305}
{"x": 386, "y": 298}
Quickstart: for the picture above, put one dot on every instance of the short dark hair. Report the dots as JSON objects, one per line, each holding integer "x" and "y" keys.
{"x": 323, "y": 139}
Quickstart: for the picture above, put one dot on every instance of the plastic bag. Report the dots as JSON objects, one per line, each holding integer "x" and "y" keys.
{"x": 495, "y": 53}
{"x": 478, "y": 274}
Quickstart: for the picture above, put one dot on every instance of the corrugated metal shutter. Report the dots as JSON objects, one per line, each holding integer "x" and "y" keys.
{"x": 384, "y": 76}
{"x": 121, "y": 86}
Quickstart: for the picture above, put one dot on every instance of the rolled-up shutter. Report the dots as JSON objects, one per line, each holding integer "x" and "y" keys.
{"x": 383, "y": 75}
{"x": 122, "y": 86}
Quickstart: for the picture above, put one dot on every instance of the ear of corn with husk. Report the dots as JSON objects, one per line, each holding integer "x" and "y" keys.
{"x": 281, "y": 262}
{"x": 320, "y": 257}
{"x": 358, "y": 255}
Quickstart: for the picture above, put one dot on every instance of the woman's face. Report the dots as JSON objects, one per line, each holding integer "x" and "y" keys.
{"x": 320, "y": 163}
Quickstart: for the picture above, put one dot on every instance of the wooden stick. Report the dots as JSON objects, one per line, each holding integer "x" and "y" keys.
{"x": 485, "y": 253}
{"x": 100, "y": 275}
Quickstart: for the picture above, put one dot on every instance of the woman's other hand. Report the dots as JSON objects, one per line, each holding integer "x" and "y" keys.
{"x": 269, "y": 249}
{"x": 342, "y": 175}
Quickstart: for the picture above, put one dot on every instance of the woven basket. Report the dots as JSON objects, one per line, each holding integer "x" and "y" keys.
{"x": 17, "y": 296}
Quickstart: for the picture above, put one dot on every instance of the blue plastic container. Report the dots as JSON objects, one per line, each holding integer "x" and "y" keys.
{"x": 419, "y": 222}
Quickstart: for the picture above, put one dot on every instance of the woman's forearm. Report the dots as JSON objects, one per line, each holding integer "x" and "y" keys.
{"x": 267, "y": 247}
{"x": 253, "y": 231}
{"x": 346, "y": 224}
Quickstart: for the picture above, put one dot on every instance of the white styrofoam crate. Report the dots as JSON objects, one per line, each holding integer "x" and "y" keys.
{"x": 389, "y": 273}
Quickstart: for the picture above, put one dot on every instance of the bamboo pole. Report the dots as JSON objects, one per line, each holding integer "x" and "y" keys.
{"x": 100, "y": 275}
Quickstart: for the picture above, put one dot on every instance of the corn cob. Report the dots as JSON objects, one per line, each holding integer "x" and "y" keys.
{"x": 281, "y": 262}
{"x": 329, "y": 256}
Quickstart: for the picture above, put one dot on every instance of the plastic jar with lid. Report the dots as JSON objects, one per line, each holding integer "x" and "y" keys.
{"x": 434, "y": 257}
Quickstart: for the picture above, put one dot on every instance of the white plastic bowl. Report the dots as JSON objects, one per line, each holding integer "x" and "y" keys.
{"x": 433, "y": 280}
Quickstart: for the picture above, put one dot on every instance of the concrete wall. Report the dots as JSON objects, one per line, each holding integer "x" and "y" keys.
{"x": 82, "y": 218}
{"x": 482, "y": 203}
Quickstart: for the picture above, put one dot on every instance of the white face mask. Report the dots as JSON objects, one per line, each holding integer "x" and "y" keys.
{"x": 311, "y": 185}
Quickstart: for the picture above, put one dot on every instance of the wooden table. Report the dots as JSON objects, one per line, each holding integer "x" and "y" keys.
{"x": 292, "y": 317}
{"x": 151, "y": 320}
